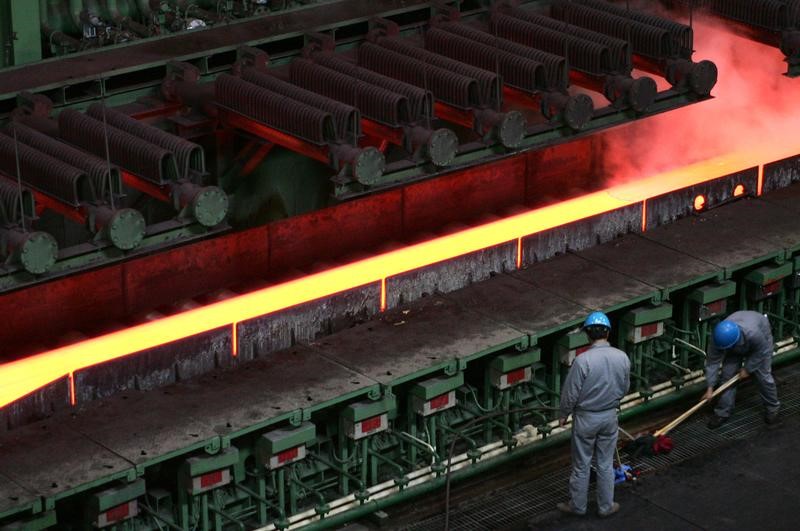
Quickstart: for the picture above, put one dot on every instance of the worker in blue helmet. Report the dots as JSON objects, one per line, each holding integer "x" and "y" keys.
{"x": 741, "y": 343}
{"x": 596, "y": 382}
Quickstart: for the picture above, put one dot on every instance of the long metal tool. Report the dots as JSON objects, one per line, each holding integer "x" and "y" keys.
{"x": 672, "y": 425}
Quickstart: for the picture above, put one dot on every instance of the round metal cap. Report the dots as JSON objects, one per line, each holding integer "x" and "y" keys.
{"x": 39, "y": 252}
{"x": 642, "y": 93}
{"x": 126, "y": 229}
{"x": 442, "y": 147}
{"x": 369, "y": 165}
{"x": 578, "y": 111}
{"x": 703, "y": 77}
{"x": 210, "y": 206}
{"x": 511, "y": 130}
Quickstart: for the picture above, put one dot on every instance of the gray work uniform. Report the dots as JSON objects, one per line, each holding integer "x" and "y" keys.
{"x": 754, "y": 350}
{"x": 596, "y": 382}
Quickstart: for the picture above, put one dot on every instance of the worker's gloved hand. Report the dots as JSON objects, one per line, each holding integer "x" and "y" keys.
{"x": 743, "y": 374}
{"x": 708, "y": 394}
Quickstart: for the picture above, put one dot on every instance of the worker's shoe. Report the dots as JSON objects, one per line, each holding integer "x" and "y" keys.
{"x": 614, "y": 509}
{"x": 716, "y": 421}
{"x": 567, "y": 508}
{"x": 771, "y": 418}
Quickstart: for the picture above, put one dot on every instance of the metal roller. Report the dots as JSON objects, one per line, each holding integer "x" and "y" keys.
{"x": 95, "y": 167}
{"x": 207, "y": 204}
{"x": 451, "y": 87}
{"x": 123, "y": 227}
{"x": 376, "y": 103}
{"x": 379, "y": 104}
{"x": 515, "y": 70}
{"x": 619, "y": 52}
{"x": 645, "y": 39}
{"x": 188, "y": 154}
{"x": 130, "y": 152}
{"x": 590, "y": 57}
{"x": 682, "y": 35}
{"x": 489, "y": 83}
{"x": 35, "y": 251}
{"x": 554, "y": 64}
{"x": 298, "y": 119}
{"x": 45, "y": 173}
{"x": 420, "y": 101}
{"x": 346, "y": 118}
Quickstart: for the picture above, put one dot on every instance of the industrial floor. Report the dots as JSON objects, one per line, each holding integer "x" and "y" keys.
{"x": 741, "y": 476}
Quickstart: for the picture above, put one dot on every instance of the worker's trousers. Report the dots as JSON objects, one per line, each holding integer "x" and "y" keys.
{"x": 593, "y": 433}
{"x": 763, "y": 377}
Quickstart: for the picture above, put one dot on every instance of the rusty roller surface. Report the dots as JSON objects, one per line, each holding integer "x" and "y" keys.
{"x": 647, "y": 40}
{"x": 275, "y": 110}
{"x": 95, "y": 167}
{"x": 130, "y": 152}
{"x": 682, "y": 35}
{"x": 619, "y": 51}
{"x": 554, "y": 65}
{"x": 453, "y": 88}
{"x": 590, "y": 57}
{"x": 489, "y": 83}
{"x": 346, "y": 118}
{"x": 516, "y": 70}
{"x": 420, "y": 101}
{"x": 374, "y": 102}
{"x": 9, "y": 199}
{"x": 188, "y": 154}
{"x": 771, "y": 14}
{"x": 45, "y": 173}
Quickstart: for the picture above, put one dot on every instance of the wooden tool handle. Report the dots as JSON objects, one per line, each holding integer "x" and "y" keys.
{"x": 721, "y": 389}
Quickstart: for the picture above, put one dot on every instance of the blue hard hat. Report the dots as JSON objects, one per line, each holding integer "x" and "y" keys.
{"x": 597, "y": 319}
{"x": 726, "y": 334}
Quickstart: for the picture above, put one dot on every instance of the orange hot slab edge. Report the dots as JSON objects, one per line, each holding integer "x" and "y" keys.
{"x": 21, "y": 377}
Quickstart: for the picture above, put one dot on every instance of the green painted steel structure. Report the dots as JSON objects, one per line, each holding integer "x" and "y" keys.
{"x": 325, "y": 433}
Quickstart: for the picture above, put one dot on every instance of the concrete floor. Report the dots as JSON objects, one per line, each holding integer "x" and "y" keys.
{"x": 748, "y": 484}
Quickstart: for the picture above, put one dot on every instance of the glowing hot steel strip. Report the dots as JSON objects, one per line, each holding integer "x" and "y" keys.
{"x": 21, "y": 377}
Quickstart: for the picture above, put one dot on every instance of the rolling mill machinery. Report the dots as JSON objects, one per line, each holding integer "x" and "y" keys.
{"x": 301, "y": 261}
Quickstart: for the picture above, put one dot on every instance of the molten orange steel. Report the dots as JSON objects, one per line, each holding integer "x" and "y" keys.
{"x": 699, "y": 202}
{"x": 700, "y": 132}
{"x": 21, "y": 377}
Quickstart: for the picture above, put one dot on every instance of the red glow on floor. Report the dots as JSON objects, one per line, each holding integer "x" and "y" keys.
{"x": 738, "y": 190}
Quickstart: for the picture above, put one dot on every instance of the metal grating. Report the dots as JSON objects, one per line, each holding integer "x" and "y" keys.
{"x": 523, "y": 501}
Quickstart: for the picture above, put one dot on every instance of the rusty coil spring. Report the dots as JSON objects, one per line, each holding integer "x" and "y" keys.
{"x": 681, "y": 35}
{"x": 453, "y": 88}
{"x": 277, "y": 111}
{"x": 45, "y": 173}
{"x": 95, "y": 167}
{"x": 374, "y": 102}
{"x": 770, "y": 14}
{"x": 554, "y": 65}
{"x": 516, "y": 70}
{"x": 619, "y": 51}
{"x": 489, "y": 83}
{"x": 188, "y": 154}
{"x": 647, "y": 40}
{"x": 347, "y": 119}
{"x": 130, "y": 152}
{"x": 420, "y": 101}
{"x": 582, "y": 55}
{"x": 9, "y": 199}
